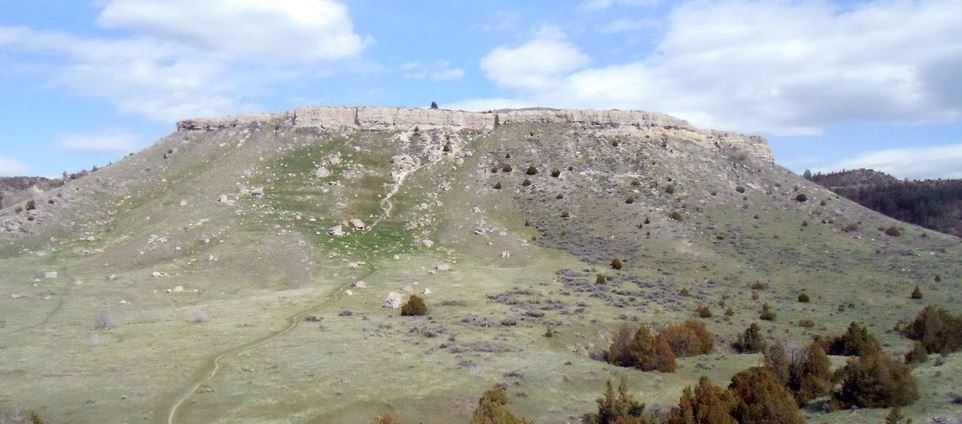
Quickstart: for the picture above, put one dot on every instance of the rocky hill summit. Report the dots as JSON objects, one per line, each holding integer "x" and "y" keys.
{"x": 255, "y": 269}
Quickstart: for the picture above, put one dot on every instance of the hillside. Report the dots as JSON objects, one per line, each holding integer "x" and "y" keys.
{"x": 237, "y": 270}
{"x": 933, "y": 204}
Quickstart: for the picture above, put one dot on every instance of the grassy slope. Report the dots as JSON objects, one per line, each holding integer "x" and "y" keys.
{"x": 273, "y": 265}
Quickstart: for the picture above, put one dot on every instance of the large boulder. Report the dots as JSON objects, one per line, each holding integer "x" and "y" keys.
{"x": 356, "y": 224}
{"x": 393, "y": 300}
{"x": 322, "y": 172}
{"x": 336, "y": 231}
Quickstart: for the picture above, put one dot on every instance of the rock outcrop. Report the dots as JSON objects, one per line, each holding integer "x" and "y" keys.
{"x": 405, "y": 119}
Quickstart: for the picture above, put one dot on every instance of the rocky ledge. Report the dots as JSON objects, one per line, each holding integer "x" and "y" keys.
{"x": 403, "y": 119}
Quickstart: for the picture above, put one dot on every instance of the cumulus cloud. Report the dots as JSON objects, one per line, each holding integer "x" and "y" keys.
{"x": 912, "y": 162}
{"x": 785, "y": 67}
{"x": 99, "y": 143}
{"x": 535, "y": 65}
{"x": 437, "y": 71}
{"x": 11, "y": 168}
{"x": 280, "y": 29}
{"x": 180, "y": 59}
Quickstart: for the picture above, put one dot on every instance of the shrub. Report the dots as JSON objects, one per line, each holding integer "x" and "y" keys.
{"x": 104, "y": 320}
{"x": 706, "y": 404}
{"x": 919, "y": 354}
{"x": 776, "y": 359}
{"x": 938, "y": 330}
{"x": 630, "y": 200}
{"x": 729, "y": 312}
{"x": 507, "y": 168}
{"x": 803, "y": 298}
{"x": 809, "y": 375}
{"x": 855, "y": 342}
{"x": 616, "y": 263}
{"x": 31, "y": 205}
{"x": 689, "y": 338}
{"x": 893, "y": 231}
{"x": 387, "y": 418}
{"x": 664, "y": 359}
{"x": 740, "y": 189}
{"x": 600, "y": 279}
{"x": 565, "y": 213}
{"x": 621, "y": 351}
{"x": 938, "y": 278}
{"x": 531, "y": 170}
{"x": 751, "y": 341}
{"x": 767, "y": 313}
{"x": 414, "y": 306}
{"x": 617, "y": 407}
{"x": 676, "y": 216}
{"x": 806, "y": 323}
{"x": 801, "y": 197}
{"x": 875, "y": 380}
{"x": 761, "y": 399}
{"x": 917, "y": 293}
{"x": 497, "y": 185}
{"x": 670, "y": 189}
{"x": 526, "y": 182}
{"x": 703, "y": 312}
{"x": 895, "y": 417}
{"x": 758, "y": 285}
{"x": 555, "y": 172}
{"x": 492, "y": 409}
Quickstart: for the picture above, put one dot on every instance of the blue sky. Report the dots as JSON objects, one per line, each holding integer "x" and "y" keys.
{"x": 833, "y": 85}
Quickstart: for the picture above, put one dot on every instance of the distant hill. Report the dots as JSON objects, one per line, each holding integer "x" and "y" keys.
{"x": 933, "y": 204}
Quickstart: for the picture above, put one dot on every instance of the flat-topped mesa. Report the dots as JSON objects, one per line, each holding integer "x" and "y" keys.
{"x": 404, "y": 119}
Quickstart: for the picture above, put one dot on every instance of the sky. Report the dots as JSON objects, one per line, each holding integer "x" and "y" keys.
{"x": 832, "y": 84}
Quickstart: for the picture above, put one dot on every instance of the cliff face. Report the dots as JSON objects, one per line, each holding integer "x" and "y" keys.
{"x": 402, "y": 119}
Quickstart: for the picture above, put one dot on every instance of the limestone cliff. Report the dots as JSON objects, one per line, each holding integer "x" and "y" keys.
{"x": 389, "y": 118}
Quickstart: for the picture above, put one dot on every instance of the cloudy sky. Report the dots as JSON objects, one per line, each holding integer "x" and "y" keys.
{"x": 832, "y": 84}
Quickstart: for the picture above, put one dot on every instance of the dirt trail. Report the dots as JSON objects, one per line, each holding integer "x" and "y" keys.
{"x": 386, "y": 205}
{"x": 209, "y": 369}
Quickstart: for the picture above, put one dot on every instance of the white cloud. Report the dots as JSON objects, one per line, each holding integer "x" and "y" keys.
{"x": 299, "y": 30}
{"x": 913, "y": 162}
{"x": 437, "y": 71}
{"x": 604, "y": 4}
{"x": 99, "y": 143}
{"x": 182, "y": 59}
{"x": 788, "y": 67}
{"x": 629, "y": 25}
{"x": 535, "y": 65}
{"x": 11, "y": 168}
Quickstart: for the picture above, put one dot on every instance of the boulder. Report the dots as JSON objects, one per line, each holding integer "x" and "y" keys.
{"x": 442, "y": 267}
{"x": 50, "y": 274}
{"x": 393, "y": 300}
{"x": 356, "y": 224}
{"x": 257, "y": 192}
{"x": 322, "y": 172}
{"x": 427, "y": 243}
{"x": 177, "y": 289}
{"x": 359, "y": 285}
{"x": 336, "y": 231}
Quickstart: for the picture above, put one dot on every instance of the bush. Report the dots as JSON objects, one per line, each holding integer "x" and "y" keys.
{"x": 855, "y": 342}
{"x": 740, "y": 189}
{"x": 806, "y": 323}
{"x": 729, "y": 312}
{"x": 676, "y": 216}
{"x": 414, "y": 306}
{"x": 801, "y": 197}
{"x": 895, "y": 417}
{"x": 767, "y": 313}
{"x": 617, "y": 407}
{"x": 917, "y": 293}
{"x": 670, "y": 189}
{"x": 620, "y": 352}
{"x": 555, "y": 172}
{"x": 706, "y": 404}
{"x": 616, "y": 263}
{"x": 104, "y": 320}
{"x": 875, "y": 380}
{"x": 507, "y": 168}
{"x": 531, "y": 170}
{"x": 803, "y": 298}
{"x": 809, "y": 375}
{"x": 526, "y": 182}
{"x": 31, "y": 205}
{"x": 751, "y": 341}
{"x": 497, "y": 185}
{"x": 688, "y": 339}
{"x": 893, "y": 231}
{"x": 387, "y": 418}
{"x": 761, "y": 399}
{"x": 919, "y": 354}
{"x": 703, "y": 312}
{"x": 938, "y": 330}
{"x": 492, "y": 409}
{"x": 758, "y": 285}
